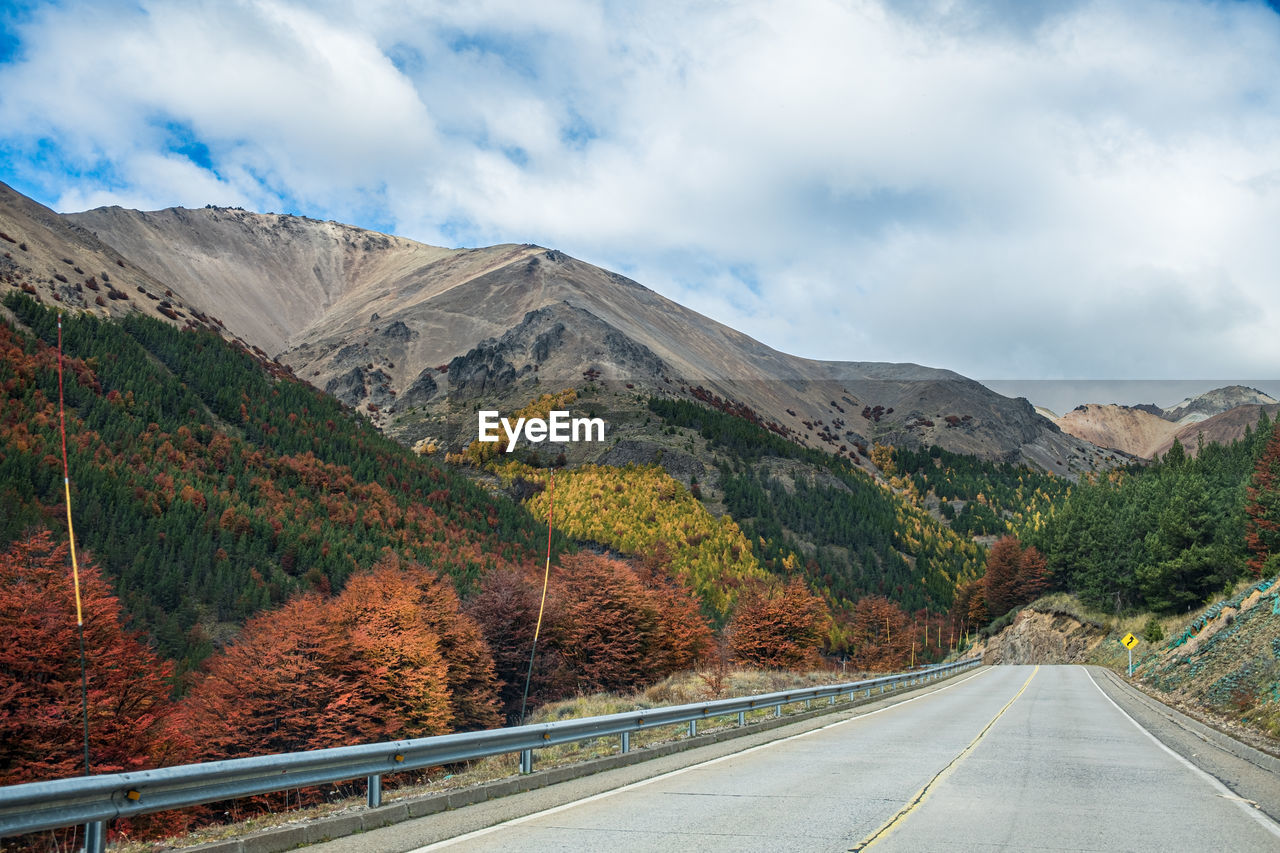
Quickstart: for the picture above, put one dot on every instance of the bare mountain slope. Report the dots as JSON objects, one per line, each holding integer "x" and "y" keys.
{"x": 1220, "y": 415}
{"x": 1222, "y": 428}
{"x": 386, "y": 323}
{"x": 57, "y": 262}
{"x": 271, "y": 275}
{"x": 1216, "y": 402}
{"x": 1132, "y": 430}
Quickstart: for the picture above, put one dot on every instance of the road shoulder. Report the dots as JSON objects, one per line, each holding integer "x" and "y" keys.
{"x": 1251, "y": 775}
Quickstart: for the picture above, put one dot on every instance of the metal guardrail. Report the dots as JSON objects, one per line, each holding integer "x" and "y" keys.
{"x": 93, "y": 800}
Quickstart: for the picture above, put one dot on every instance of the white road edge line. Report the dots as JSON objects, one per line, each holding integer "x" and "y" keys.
{"x": 1223, "y": 791}
{"x": 476, "y": 833}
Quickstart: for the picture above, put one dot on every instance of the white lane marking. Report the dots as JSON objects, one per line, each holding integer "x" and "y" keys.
{"x": 447, "y": 842}
{"x": 1223, "y": 791}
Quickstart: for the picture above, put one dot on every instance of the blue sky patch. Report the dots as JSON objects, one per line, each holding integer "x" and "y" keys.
{"x": 181, "y": 138}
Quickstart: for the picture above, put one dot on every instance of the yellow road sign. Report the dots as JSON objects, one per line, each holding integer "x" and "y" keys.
{"x": 1129, "y": 641}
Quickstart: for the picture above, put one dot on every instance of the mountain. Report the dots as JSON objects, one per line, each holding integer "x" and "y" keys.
{"x": 1220, "y": 428}
{"x": 1220, "y": 415}
{"x": 1216, "y": 402}
{"x": 1133, "y": 430}
{"x": 416, "y": 335}
{"x": 49, "y": 256}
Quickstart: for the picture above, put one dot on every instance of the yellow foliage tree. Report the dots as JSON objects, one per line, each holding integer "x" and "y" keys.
{"x": 634, "y": 508}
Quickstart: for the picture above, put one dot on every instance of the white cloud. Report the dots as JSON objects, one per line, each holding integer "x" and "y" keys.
{"x": 1005, "y": 189}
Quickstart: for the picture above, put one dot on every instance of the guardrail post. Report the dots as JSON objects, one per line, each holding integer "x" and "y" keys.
{"x": 777, "y": 710}
{"x": 832, "y": 699}
{"x": 95, "y": 837}
{"x": 693, "y": 728}
{"x": 742, "y": 718}
{"x": 526, "y": 761}
{"x": 375, "y": 791}
{"x": 626, "y": 741}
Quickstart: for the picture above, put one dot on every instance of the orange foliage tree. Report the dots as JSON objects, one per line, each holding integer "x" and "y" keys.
{"x": 391, "y": 656}
{"x": 779, "y": 627}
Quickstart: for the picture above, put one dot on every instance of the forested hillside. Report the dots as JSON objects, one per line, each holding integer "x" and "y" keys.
{"x": 1165, "y": 537}
{"x": 315, "y": 583}
{"x": 976, "y": 497}
{"x": 209, "y": 490}
{"x": 826, "y": 520}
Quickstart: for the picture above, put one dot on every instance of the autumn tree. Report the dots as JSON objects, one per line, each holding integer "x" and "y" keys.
{"x": 432, "y": 603}
{"x": 779, "y": 627}
{"x": 1033, "y": 579}
{"x": 285, "y": 685}
{"x": 969, "y": 609}
{"x": 1262, "y": 528}
{"x": 620, "y": 632}
{"x": 1015, "y": 576}
{"x": 684, "y": 638}
{"x": 41, "y": 721}
{"x": 390, "y": 657}
{"x": 879, "y": 637}
{"x": 1004, "y": 562}
{"x": 506, "y": 609}
{"x": 608, "y": 624}
{"x": 41, "y": 711}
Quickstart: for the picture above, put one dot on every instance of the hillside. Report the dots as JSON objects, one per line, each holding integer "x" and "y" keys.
{"x": 50, "y": 257}
{"x": 1220, "y": 415}
{"x": 403, "y": 331}
{"x": 1222, "y": 428}
{"x": 208, "y": 490}
{"x": 1132, "y": 430}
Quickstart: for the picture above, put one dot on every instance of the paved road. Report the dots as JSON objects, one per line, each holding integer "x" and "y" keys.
{"x": 1011, "y": 758}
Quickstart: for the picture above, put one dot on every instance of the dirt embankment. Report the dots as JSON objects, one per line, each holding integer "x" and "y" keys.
{"x": 1047, "y": 638}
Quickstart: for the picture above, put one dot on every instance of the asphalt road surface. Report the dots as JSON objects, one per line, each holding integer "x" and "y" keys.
{"x": 1010, "y": 758}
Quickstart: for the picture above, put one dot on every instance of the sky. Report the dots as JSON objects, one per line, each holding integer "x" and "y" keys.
{"x": 1008, "y": 189}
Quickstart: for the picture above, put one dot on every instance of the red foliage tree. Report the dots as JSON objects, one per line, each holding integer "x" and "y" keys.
{"x": 684, "y": 639}
{"x": 284, "y": 685}
{"x": 879, "y": 637}
{"x": 41, "y": 722}
{"x": 608, "y": 625}
{"x": 1001, "y": 580}
{"x": 41, "y": 713}
{"x": 1033, "y": 577}
{"x": 781, "y": 627}
{"x": 506, "y": 609}
{"x": 1014, "y": 576}
{"x": 1262, "y": 528}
